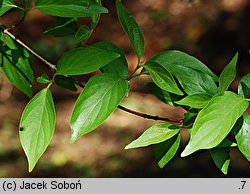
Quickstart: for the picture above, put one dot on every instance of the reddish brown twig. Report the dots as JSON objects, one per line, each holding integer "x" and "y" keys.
{"x": 53, "y": 68}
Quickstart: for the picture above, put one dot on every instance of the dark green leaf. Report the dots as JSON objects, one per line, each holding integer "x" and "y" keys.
{"x": 6, "y": 5}
{"x": 82, "y": 34}
{"x": 193, "y": 75}
{"x": 190, "y": 117}
{"x": 162, "y": 95}
{"x": 221, "y": 158}
{"x": 228, "y": 74}
{"x": 155, "y": 134}
{"x": 84, "y": 60}
{"x": 66, "y": 82}
{"x": 15, "y": 64}
{"x": 131, "y": 28}
{"x": 73, "y": 8}
{"x": 37, "y": 126}
{"x": 226, "y": 144}
{"x": 63, "y": 27}
{"x": 44, "y": 79}
{"x": 100, "y": 97}
{"x": 199, "y": 100}
{"x": 244, "y": 87}
{"x": 95, "y": 19}
{"x": 162, "y": 78}
{"x": 118, "y": 66}
{"x": 242, "y": 135}
{"x": 173, "y": 59}
{"x": 166, "y": 150}
{"x": 215, "y": 121}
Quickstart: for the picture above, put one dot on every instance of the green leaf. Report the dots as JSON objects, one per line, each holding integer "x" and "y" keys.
{"x": 228, "y": 74}
{"x": 118, "y": 66}
{"x": 172, "y": 60}
{"x": 215, "y": 121}
{"x": 162, "y": 95}
{"x": 15, "y": 64}
{"x": 221, "y": 158}
{"x": 6, "y": 5}
{"x": 155, "y": 134}
{"x": 66, "y": 82}
{"x": 73, "y": 8}
{"x": 44, "y": 79}
{"x": 37, "y": 126}
{"x": 166, "y": 150}
{"x": 95, "y": 19}
{"x": 192, "y": 74}
{"x": 63, "y": 27}
{"x": 162, "y": 78}
{"x": 242, "y": 135}
{"x": 226, "y": 144}
{"x": 190, "y": 117}
{"x": 244, "y": 87}
{"x": 100, "y": 97}
{"x": 198, "y": 100}
{"x": 131, "y": 28}
{"x": 84, "y": 60}
{"x": 83, "y": 33}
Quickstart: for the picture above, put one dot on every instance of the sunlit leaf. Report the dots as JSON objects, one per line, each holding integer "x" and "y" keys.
{"x": 228, "y": 74}
{"x": 215, "y": 121}
{"x": 198, "y": 100}
{"x": 100, "y": 97}
{"x": 155, "y": 134}
{"x": 162, "y": 78}
{"x": 84, "y": 60}
{"x": 37, "y": 126}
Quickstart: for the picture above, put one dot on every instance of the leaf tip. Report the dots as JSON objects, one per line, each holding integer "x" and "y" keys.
{"x": 187, "y": 151}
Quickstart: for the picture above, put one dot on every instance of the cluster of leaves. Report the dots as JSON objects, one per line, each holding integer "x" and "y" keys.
{"x": 178, "y": 80}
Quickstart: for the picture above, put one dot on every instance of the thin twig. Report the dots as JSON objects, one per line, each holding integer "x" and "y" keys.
{"x": 50, "y": 65}
{"x": 53, "y": 68}
{"x": 146, "y": 116}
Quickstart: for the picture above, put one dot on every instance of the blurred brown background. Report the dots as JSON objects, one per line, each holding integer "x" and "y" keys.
{"x": 211, "y": 30}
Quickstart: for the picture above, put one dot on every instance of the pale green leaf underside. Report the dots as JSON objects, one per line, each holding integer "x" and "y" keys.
{"x": 153, "y": 135}
{"x": 100, "y": 97}
{"x": 73, "y": 8}
{"x": 215, "y": 121}
{"x": 37, "y": 126}
{"x": 228, "y": 74}
{"x": 84, "y": 60}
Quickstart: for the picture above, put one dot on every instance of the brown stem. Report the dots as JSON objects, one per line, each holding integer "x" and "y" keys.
{"x": 53, "y": 68}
